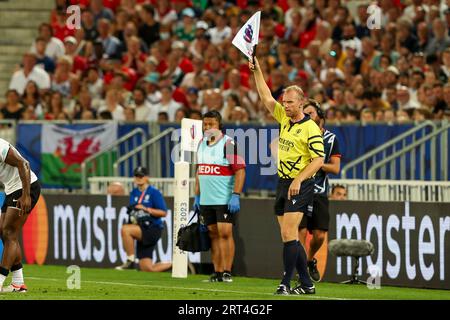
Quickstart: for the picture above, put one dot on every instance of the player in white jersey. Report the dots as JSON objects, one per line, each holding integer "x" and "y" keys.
{"x": 22, "y": 191}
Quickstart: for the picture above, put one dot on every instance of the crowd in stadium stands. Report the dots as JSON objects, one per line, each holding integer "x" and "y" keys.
{"x": 162, "y": 60}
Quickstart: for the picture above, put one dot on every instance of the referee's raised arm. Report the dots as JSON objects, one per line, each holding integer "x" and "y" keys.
{"x": 261, "y": 85}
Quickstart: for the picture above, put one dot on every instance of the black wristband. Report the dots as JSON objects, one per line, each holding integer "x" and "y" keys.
{"x": 237, "y": 193}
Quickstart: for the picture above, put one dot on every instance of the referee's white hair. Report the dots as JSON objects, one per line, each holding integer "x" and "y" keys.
{"x": 297, "y": 89}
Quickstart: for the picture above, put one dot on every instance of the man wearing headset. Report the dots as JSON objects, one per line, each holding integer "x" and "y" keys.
{"x": 317, "y": 224}
{"x": 218, "y": 185}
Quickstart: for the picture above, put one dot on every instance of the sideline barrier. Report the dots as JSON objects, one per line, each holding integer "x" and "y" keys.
{"x": 411, "y": 240}
{"x": 358, "y": 190}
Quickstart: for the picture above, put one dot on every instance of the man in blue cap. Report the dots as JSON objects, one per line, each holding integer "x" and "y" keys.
{"x": 147, "y": 208}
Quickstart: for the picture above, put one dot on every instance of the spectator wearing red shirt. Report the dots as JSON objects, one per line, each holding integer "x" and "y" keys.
{"x": 112, "y": 4}
{"x": 60, "y": 28}
{"x": 134, "y": 58}
{"x": 115, "y": 68}
{"x": 233, "y": 85}
{"x": 61, "y": 6}
{"x": 309, "y": 34}
{"x": 179, "y": 64}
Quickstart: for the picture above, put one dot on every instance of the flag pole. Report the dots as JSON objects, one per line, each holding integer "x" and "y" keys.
{"x": 254, "y": 53}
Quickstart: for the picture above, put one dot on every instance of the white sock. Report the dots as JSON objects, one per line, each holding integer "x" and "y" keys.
{"x": 17, "y": 277}
{"x": 130, "y": 258}
{"x": 2, "y": 279}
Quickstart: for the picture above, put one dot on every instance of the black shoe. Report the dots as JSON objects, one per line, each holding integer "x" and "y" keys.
{"x": 312, "y": 270}
{"x": 127, "y": 265}
{"x": 282, "y": 290}
{"x": 227, "y": 277}
{"x": 303, "y": 290}
{"x": 216, "y": 278}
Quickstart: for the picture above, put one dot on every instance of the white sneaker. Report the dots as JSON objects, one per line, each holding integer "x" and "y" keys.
{"x": 22, "y": 288}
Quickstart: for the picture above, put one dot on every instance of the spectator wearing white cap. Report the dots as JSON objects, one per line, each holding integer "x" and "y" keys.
{"x": 391, "y": 76}
{"x": 55, "y": 47}
{"x": 79, "y": 63}
{"x": 202, "y": 40}
{"x": 29, "y": 72}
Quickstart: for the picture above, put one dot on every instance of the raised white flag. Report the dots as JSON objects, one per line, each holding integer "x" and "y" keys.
{"x": 248, "y": 35}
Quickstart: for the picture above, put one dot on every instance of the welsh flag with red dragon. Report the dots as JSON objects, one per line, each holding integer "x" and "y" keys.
{"x": 65, "y": 147}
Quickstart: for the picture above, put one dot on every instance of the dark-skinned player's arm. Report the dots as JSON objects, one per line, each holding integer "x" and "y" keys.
{"x": 263, "y": 89}
{"x": 23, "y": 166}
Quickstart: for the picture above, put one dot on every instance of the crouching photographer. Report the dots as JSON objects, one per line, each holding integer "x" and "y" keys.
{"x": 147, "y": 207}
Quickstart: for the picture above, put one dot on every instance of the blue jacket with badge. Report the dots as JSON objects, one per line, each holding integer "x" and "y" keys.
{"x": 152, "y": 198}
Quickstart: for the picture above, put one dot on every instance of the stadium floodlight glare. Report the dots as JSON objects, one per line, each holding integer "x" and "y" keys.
{"x": 191, "y": 134}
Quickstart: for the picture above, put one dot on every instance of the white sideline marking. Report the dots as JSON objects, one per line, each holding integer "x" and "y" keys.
{"x": 187, "y": 288}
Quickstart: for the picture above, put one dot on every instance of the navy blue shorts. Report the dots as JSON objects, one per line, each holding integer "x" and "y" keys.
{"x": 216, "y": 213}
{"x": 302, "y": 202}
{"x": 320, "y": 218}
{"x": 150, "y": 237}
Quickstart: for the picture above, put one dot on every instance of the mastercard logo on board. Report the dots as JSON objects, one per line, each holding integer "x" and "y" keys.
{"x": 35, "y": 234}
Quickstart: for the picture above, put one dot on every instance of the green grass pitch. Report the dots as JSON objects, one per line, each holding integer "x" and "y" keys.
{"x": 50, "y": 282}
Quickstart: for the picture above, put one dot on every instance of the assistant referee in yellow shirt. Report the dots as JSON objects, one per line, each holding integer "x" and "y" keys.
{"x": 300, "y": 156}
